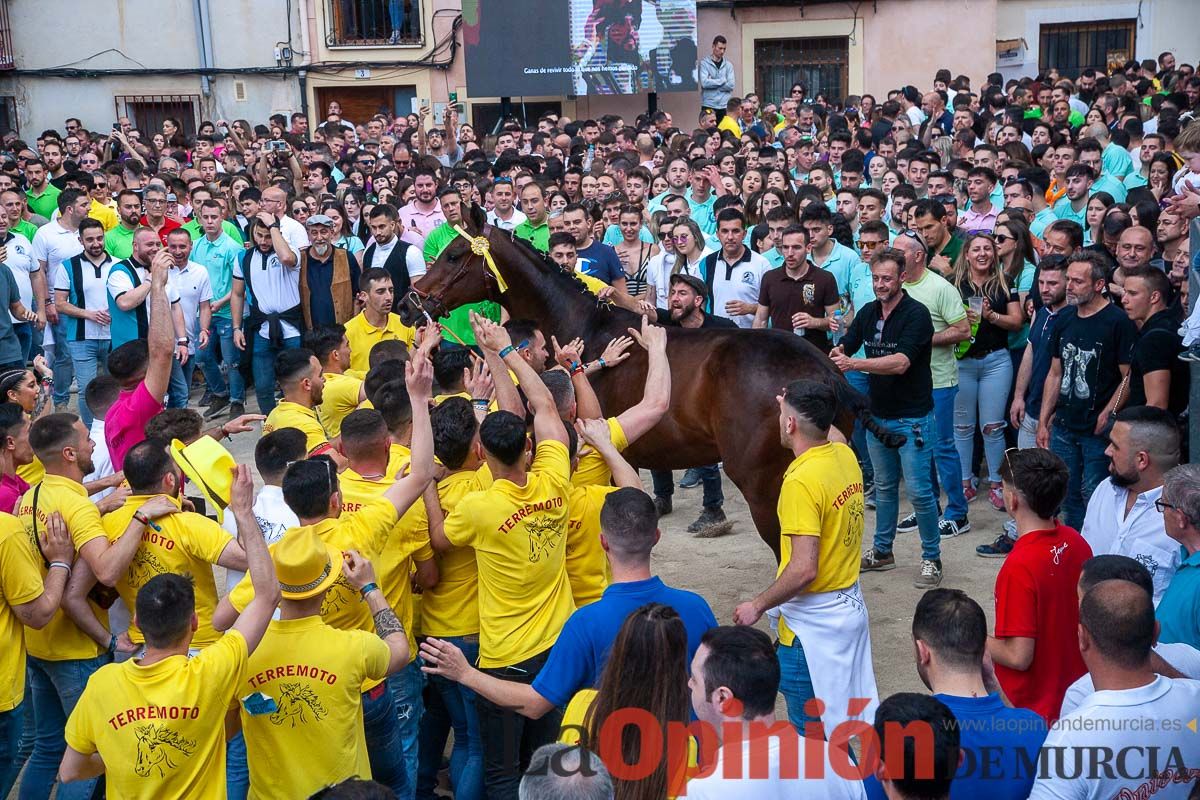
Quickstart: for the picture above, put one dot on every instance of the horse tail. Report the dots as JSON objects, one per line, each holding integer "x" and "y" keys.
{"x": 858, "y": 405}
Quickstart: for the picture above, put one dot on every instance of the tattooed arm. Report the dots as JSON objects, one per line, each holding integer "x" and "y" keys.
{"x": 361, "y": 575}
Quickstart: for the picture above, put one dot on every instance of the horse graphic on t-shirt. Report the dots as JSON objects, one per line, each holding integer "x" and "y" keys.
{"x": 158, "y": 748}
{"x": 296, "y": 701}
{"x": 544, "y": 536}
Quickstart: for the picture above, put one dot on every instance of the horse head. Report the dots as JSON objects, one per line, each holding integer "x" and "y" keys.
{"x": 155, "y": 744}
{"x": 460, "y": 275}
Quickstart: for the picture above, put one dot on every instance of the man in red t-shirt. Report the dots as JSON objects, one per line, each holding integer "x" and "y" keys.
{"x": 1036, "y": 646}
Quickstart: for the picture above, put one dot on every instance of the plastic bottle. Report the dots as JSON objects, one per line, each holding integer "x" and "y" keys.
{"x": 836, "y": 336}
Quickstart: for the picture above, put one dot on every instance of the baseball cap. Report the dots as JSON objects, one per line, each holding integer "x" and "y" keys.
{"x": 691, "y": 280}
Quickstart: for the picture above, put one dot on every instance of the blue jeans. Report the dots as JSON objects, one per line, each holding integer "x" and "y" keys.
{"x": 181, "y": 383}
{"x": 221, "y": 352}
{"x": 406, "y": 687}
{"x": 55, "y": 687}
{"x": 384, "y": 745}
{"x": 237, "y": 773}
{"x": 450, "y": 706}
{"x": 913, "y": 460}
{"x": 948, "y": 468}
{"x": 795, "y": 683}
{"x": 264, "y": 370}
{"x": 710, "y": 479}
{"x": 859, "y": 440}
{"x": 63, "y": 371}
{"x": 10, "y": 747}
{"x": 983, "y": 386}
{"x": 89, "y": 358}
{"x": 396, "y": 14}
{"x": 24, "y": 332}
{"x": 1087, "y": 466}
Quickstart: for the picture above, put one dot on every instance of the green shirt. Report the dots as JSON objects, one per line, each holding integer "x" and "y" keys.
{"x": 945, "y": 309}
{"x": 458, "y": 321}
{"x": 193, "y": 228}
{"x": 952, "y": 248}
{"x": 45, "y": 203}
{"x": 118, "y": 242}
{"x": 25, "y": 228}
{"x": 536, "y": 235}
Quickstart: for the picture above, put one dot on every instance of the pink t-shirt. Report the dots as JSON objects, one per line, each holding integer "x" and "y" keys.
{"x": 125, "y": 422}
{"x": 12, "y": 489}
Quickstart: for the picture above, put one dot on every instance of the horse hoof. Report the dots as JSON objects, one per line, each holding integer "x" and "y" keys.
{"x": 715, "y": 531}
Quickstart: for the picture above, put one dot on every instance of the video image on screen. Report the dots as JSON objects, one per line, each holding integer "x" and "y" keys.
{"x": 633, "y": 46}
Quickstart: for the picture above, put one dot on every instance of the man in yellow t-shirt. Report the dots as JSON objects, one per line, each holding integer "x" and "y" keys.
{"x": 155, "y": 726}
{"x": 403, "y": 557}
{"x": 823, "y": 627}
{"x": 587, "y": 566}
{"x": 518, "y": 528}
{"x": 342, "y": 393}
{"x": 300, "y": 696}
{"x": 303, "y": 382}
{"x": 313, "y": 491}
{"x": 64, "y": 652}
{"x": 27, "y": 600}
{"x": 184, "y": 543}
{"x": 376, "y": 322}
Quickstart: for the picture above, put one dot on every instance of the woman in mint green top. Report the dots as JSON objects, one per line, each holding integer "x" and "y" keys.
{"x": 1014, "y": 246}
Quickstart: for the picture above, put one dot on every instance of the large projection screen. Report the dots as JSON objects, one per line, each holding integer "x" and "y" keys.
{"x": 579, "y": 47}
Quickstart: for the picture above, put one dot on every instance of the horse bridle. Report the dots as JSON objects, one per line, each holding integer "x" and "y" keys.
{"x": 416, "y": 297}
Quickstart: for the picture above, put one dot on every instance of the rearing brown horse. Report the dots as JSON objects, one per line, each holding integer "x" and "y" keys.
{"x": 723, "y": 382}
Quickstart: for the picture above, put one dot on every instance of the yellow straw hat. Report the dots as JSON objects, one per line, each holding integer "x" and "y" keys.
{"x": 305, "y": 565}
{"x": 210, "y": 467}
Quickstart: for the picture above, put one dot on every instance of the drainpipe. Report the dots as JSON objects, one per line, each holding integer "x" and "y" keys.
{"x": 201, "y": 48}
{"x": 306, "y": 38}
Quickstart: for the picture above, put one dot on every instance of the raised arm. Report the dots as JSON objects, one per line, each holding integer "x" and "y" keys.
{"x": 597, "y": 435}
{"x": 252, "y": 622}
{"x": 59, "y": 550}
{"x": 360, "y": 574}
{"x": 507, "y": 396}
{"x": 418, "y": 377}
{"x": 656, "y": 397}
{"x": 547, "y": 425}
{"x": 162, "y": 328}
{"x": 570, "y": 358}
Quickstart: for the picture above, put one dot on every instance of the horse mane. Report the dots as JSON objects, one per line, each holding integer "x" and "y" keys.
{"x": 164, "y": 735}
{"x": 546, "y": 265}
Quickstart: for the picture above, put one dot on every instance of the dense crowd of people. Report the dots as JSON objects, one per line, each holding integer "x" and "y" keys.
{"x": 437, "y": 571}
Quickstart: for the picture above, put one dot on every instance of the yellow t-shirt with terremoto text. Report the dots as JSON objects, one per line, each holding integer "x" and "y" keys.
{"x": 61, "y": 640}
{"x": 188, "y": 544}
{"x": 309, "y": 734}
{"x": 822, "y": 495}
{"x": 161, "y": 729}
{"x": 451, "y": 607}
{"x": 519, "y": 534}
{"x": 587, "y": 565}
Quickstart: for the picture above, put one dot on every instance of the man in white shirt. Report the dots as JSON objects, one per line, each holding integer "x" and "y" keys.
{"x": 274, "y": 201}
{"x": 1121, "y": 516}
{"x": 101, "y": 393}
{"x": 190, "y": 280}
{"x": 81, "y": 294}
{"x": 1136, "y": 721}
{"x": 17, "y": 253}
{"x": 272, "y": 455}
{"x": 1174, "y": 659}
{"x": 734, "y": 682}
{"x": 733, "y": 274}
{"x": 504, "y": 214}
{"x": 53, "y": 244}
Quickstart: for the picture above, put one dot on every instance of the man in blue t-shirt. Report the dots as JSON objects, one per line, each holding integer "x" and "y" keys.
{"x": 999, "y": 744}
{"x": 628, "y": 532}
{"x": 595, "y": 257}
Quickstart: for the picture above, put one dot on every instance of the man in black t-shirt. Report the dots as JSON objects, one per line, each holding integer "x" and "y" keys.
{"x": 686, "y": 299}
{"x": 1156, "y": 375}
{"x": 1087, "y": 383}
{"x": 896, "y": 333}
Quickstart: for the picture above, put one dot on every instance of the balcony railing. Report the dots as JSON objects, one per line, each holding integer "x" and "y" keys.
{"x": 374, "y": 23}
{"x": 7, "y": 57}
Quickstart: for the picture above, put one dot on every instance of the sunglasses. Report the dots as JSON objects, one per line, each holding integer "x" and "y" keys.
{"x": 1001, "y": 238}
{"x": 878, "y": 330}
